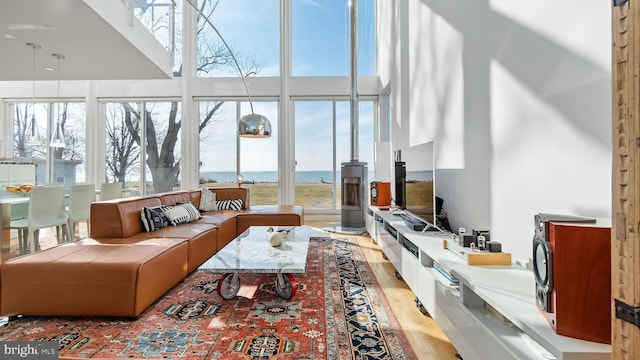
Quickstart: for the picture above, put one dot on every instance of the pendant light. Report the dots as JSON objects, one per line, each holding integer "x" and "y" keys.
{"x": 57, "y": 138}
{"x": 33, "y": 138}
{"x": 251, "y": 125}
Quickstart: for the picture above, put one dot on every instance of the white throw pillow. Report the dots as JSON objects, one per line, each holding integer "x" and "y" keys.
{"x": 182, "y": 214}
{"x": 207, "y": 200}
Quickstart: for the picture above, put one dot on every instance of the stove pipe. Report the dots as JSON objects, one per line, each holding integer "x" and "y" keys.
{"x": 354, "y": 173}
{"x": 354, "y": 79}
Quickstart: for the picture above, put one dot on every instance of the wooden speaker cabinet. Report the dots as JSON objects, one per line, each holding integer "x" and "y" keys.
{"x": 380, "y": 193}
{"x": 572, "y": 266}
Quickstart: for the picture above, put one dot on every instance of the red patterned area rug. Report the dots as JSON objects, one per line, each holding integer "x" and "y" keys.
{"x": 339, "y": 312}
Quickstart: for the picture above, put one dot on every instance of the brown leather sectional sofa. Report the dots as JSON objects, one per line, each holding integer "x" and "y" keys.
{"x": 121, "y": 269}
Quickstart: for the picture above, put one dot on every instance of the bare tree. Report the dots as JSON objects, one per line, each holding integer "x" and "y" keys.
{"x": 20, "y": 124}
{"x": 74, "y": 142}
{"x": 123, "y": 152}
{"x": 161, "y": 158}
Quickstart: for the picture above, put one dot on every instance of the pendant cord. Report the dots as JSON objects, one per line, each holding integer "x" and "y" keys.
{"x": 33, "y": 92}
{"x": 33, "y": 85}
{"x": 34, "y": 46}
{"x": 235, "y": 61}
{"x": 59, "y": 57}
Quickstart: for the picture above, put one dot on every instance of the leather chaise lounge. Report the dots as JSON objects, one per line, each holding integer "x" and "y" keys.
{"x": 121, "y": 269}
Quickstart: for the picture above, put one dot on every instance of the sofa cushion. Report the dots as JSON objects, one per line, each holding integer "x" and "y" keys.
{"x": 268, "y": 215}
{"x": 188, "y": 231}
{"x": 225, "y": 220}
{"x": 90, "y": 278}
{"x": 207, "y": 200}
{"x": 175, "y": 197}
{"x": 203, "y": 239}
{"x": 119, "y": 218}
{"x": 154, "y": 218}
{"x": 182, "y": 214}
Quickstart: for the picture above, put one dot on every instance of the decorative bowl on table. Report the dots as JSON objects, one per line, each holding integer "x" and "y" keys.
{"x": 23, "y": 189}
{"x": 276, "y": 237}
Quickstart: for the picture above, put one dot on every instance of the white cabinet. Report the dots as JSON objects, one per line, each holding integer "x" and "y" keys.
{"x": 370, "y": 221}
{"x": 491, "y": 314}
{"x": 388, "y": 242}
{"x": 409, "y": 263}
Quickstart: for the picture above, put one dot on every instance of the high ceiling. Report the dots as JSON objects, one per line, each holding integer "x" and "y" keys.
{"x": 94, "y": 36}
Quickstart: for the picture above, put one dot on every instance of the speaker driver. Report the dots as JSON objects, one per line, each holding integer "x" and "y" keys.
{"x": 380, "y": 193}
{"x": 543, "y": 271}
{"x": 374, "y": 193}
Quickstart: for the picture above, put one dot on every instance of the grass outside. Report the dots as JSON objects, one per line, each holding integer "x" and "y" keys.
{"x": 320, "y": 196}
{"x": 309, "y": 195}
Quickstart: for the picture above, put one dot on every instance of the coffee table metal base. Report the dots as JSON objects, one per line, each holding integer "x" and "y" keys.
{"x": 229, "y": 285}
{"x": 251, "y": 253}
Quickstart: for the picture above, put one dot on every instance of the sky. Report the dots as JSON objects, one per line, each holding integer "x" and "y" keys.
{"x": 320, "y": 34}
{"x": 320, "y": 47}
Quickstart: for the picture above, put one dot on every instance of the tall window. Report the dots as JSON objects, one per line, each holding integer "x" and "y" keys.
{"x": 143, "y": 122}
{"x": 220, "y": 146}
{"x": 218, "y": 143}
{"x": 367, "y": 60}
{"x": 250, "y": 27}
{"x": 322, "y": 143}
{"x": 157, "y": 126}
{"x": 63, "y": 165}
{"x": 178, "y": 40}
{"x": 321, "y": 38}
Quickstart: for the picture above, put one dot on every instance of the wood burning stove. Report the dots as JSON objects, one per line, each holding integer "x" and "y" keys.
{"x": 354, "y": 194}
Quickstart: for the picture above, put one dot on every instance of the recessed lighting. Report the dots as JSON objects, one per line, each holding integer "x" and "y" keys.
{"x": 49, "y": 69}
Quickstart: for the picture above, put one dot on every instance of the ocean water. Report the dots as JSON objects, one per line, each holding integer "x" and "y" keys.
{"x": 301, "y": 176}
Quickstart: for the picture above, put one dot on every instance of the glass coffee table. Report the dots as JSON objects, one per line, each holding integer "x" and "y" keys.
{"x": 251, "y": 253}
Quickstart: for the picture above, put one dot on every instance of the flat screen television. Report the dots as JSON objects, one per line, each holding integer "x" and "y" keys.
{"x": 419, "y": 194}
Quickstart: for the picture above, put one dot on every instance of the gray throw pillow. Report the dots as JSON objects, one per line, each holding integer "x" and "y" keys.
{"x": 207, "y": 200}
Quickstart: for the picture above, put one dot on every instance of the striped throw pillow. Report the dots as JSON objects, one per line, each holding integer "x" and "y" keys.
{"x": 182, "y": 213}
{"x": 229, "y": 204}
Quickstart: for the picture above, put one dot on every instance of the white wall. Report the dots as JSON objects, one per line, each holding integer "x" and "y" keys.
{"x": 517, "y": 99}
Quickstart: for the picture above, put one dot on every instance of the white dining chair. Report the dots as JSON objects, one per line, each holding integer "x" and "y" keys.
{"x": 19, "y": 222}
{"x": 80, "y": 198}
{"x": 109, "y": 191}
{"x": 53, "y": 184}
{"x": 46, "y": 210}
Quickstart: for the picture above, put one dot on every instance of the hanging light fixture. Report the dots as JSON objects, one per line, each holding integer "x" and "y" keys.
{"x": 33, "y": 137}
{"x": 254, "y": 126}
{"x": 57, "y": 138}
{"x": 251, "y": 125}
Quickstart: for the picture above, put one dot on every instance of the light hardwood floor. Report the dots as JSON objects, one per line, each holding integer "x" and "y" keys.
{"x": 426, "y": 338}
